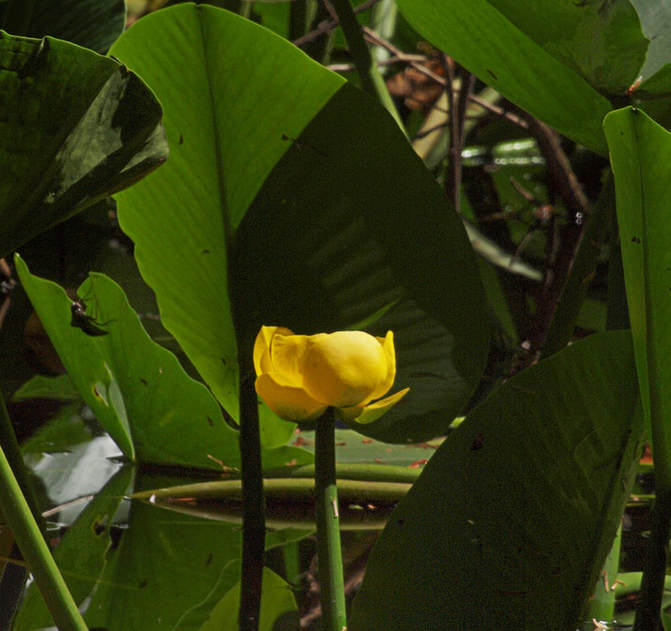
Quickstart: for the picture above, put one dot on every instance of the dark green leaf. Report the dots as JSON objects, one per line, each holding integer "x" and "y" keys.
{"x": 510, "y": 522}
{"x": 350, "y": 224}
{"x": 601, "y": 41}
{"x": 74, "y": 128}
{"x": 94, "y": 24}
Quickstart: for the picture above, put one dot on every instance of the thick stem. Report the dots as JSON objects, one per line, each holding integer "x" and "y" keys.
{"x": 253, "y": 509}
{"x": 654, "y": 571}
{"x": 36, "y": 553}
{"x": 371, "y": 80}
{"x": 331, "y": 581}
{"x": 10, "y": 446}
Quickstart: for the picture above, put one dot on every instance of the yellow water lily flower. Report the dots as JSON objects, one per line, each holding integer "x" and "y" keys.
{"x": 299, "y": 376}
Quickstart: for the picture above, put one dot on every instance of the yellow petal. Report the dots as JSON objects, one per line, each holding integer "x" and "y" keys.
{"x": 261, "y": 355}
{"x": 286, "y": 354}
{"x": 387, "y": 344}
{"x": 344, "y": 368}
{"x": 373, "y": 411}
{"x": 291, "y": 404}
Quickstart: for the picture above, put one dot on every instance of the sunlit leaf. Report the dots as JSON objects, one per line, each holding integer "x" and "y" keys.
{"x": 136, "y": 388}
{"x": 640, "y": 152}
{"x": 489, "y": 45}
{"x": 303, "y": 190}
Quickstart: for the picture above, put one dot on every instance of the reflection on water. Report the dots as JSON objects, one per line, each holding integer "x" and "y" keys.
{"x": 81, "y": 471}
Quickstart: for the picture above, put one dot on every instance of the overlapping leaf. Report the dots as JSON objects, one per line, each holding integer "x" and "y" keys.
{"x": 94, "y": 24}
{"x": 137, "y": 389}
{"x": 498, "y": 52}
{"x": 510, "y": 522}
{"x": 296, "y": 194}
{"x": 74, "y": 128}
{"x": 601, "y": 41}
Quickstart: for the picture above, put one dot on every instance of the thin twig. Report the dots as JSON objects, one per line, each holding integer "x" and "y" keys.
{"x": 384, "y": 62}
{"x": 329, "y": 25}
{"x": 376, "y": 39}
{"x": 457, "y": 108}
{"x": 564, "y": 242}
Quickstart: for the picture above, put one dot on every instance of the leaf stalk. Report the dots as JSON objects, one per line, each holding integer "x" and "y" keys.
{"x": 331, "y": 580}
{"x": 34, "y": 549}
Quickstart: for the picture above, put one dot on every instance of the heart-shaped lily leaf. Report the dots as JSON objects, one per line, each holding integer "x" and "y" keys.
{"x": 134, "y": 565}
{"x": 75, "y": 127}
{"x": 292, "y": 199}
{"x": 137, "y": 389}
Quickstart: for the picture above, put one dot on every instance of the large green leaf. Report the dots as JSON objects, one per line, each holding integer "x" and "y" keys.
{"x": 75, "y": 127}
{"x": 141, "y": 395}
{"x": 601, "y": 41}
{"x": 510, "y": 522}
{"x": 489, "y": 45}
{"x": 302, "y": 189}
{"x": 338, "y": 233}
{"x": 94, "y": 24}
{"x": 640, "y": 151}
{"x": 226, "y": 137}
{"x": 143, "y": 570}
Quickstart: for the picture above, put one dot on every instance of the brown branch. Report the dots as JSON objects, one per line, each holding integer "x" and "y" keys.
{"x": 376, "y": 39}
{"x": 457, "y": 111}
{"x": 383, "y": 62}
{"x": 561, "y": 175}
{"x": 565, "y": 241}
{"x": 329, "y": 25}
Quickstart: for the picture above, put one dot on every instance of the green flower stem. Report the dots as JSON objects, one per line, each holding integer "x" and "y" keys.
{"x": 371, "y": 80}
{"x": 654, "y": 570}
{"x": 12, "y": 452}
{"x": 36, "y": 553}
{"x": 331, "y": 580}
{"x": 253, "y": 512}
